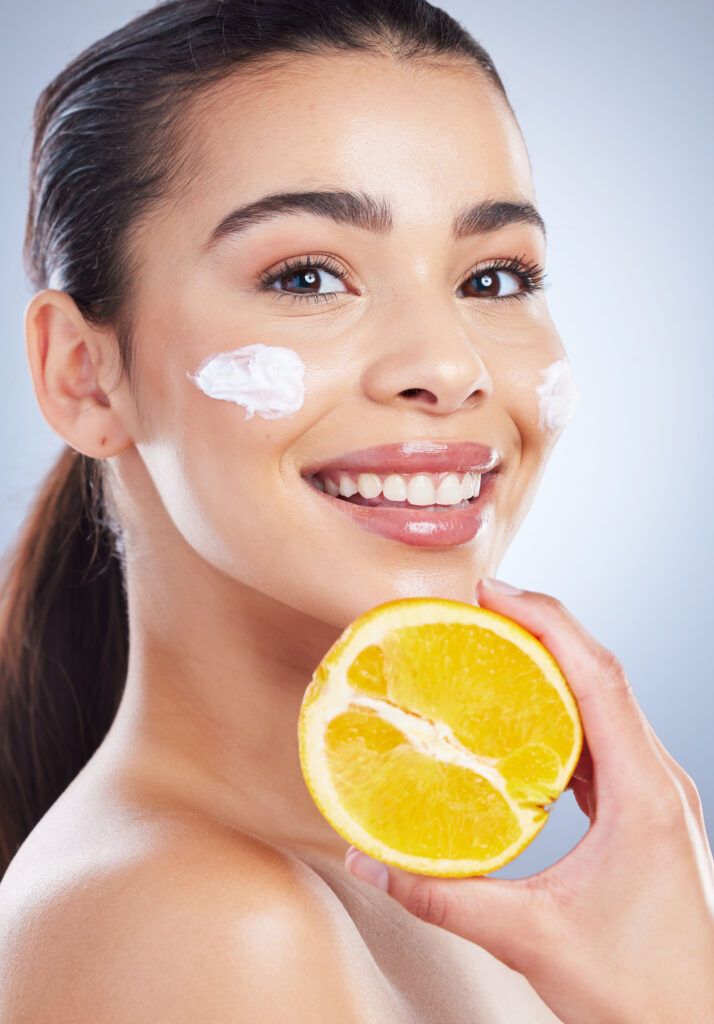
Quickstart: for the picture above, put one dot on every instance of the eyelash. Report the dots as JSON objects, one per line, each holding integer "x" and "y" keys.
{"x": 531, "y": 275}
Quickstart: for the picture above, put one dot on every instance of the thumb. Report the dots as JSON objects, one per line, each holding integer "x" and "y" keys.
{"x": 498, "y": 915}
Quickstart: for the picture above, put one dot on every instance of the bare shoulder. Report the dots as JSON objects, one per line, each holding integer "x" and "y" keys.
{"x": 204, "y": 925}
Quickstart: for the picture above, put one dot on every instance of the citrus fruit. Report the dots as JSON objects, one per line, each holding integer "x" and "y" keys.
{"x": 434, "y": 733}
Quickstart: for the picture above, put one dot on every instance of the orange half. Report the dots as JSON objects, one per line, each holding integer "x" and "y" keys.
{"x": 434, "y": 734}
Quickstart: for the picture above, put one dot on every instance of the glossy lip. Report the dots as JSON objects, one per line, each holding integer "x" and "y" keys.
{"x": 413, "y": 457}
{"x": 421, "y": 527}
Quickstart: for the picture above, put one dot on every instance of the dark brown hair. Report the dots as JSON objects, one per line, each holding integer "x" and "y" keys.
{"x": 104, "y": 152}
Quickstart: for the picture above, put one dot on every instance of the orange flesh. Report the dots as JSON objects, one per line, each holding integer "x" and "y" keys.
{"x": 385, "y": 784}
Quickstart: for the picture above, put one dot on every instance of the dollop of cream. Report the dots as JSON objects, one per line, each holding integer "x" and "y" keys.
{"x": 558, "y": 395}
{"x": 267, "y": 379}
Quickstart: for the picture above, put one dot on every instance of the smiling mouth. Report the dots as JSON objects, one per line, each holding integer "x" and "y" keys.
{"x": 427, "y": 492}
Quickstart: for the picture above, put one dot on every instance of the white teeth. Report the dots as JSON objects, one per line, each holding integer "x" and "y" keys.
{"x": 394, "y": 488}
{"x": 421, "y": 490}
{"x": 347, "y": 486}
{"x": 369, "y": 485}
{"x": 449, "y": 490}
{"x": 416, "y": 489}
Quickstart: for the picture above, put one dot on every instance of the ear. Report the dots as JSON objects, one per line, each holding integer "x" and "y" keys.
{"x": 70, "y": 360}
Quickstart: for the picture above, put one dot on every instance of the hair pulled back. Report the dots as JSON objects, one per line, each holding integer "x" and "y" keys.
{"x": 107, "y": 133}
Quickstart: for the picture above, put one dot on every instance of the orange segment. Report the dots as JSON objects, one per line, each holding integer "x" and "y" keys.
{"x": 366, "y": 673}
{"x": 531, "y": 773}
{"x": 493, "y": 696}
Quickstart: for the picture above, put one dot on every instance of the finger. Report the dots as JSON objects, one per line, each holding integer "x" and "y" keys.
{"x": 584, "y": 793}
{"x": 582, "y": 783}
{"x": 583, "y": 770}
{"x": 684, "y": 782}
{"x": 478, "y": 909}
{"x": 624, "y": 759}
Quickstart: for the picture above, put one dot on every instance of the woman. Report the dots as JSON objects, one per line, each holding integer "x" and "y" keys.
{"x": 267, "y": 240}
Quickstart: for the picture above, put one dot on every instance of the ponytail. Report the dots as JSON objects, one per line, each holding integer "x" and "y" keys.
{"x": 63, "y": 644}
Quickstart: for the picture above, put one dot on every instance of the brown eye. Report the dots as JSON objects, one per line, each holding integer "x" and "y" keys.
{"x": 489, "y": 284}
{"x": 305, "y": 281}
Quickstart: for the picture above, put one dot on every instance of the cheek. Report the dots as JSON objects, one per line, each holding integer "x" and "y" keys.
{"x": 557, "y": 395}
{"x": 268, "y": 380}
{"x": 533, "y": 379}
{"x": 541, "y": 397}
{"x": 220, "y": 481}
{"x": 267, "y": 383}
{"x": 215, "y": 459}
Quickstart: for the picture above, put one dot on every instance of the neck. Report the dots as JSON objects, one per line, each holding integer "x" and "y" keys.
{"x": 209, "y": 714}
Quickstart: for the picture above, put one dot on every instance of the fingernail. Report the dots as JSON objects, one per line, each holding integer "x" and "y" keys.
{"x": 367, "y": 869}
{"x": 500, "y": 586}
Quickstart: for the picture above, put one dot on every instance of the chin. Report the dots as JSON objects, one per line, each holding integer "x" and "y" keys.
{"x": 359, "y": 591}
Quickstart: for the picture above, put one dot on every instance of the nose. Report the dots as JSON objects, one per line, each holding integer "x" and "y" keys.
{"x": 432, "y": 363}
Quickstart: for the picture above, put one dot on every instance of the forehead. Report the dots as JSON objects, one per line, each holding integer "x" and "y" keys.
{"x": 429, "y": 138}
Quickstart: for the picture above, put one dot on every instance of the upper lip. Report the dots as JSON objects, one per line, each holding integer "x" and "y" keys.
{"x": 426, "y": 456}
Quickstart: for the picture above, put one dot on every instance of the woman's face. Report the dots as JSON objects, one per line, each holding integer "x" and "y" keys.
{"x": 403, "y": 339}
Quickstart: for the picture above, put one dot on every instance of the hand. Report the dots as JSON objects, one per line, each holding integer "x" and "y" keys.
{"x": 621, "y": 929}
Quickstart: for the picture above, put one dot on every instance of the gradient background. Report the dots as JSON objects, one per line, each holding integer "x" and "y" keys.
{"x": 615, "y": 102}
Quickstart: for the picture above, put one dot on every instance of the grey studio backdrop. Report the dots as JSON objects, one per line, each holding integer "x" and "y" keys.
{"x": 615, "y": 102}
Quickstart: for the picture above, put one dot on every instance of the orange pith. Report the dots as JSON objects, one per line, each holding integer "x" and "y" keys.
{"x": 433, "y": 733}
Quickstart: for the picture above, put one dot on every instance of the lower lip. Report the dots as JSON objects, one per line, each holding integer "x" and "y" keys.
{"x": 421, "y": 528}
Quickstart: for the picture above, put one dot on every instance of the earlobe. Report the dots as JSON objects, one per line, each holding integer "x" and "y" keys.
{"x": 67, "y": 358}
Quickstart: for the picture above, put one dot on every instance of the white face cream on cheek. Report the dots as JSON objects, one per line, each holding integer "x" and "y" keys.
{"x": 266, "y": 379}
{"x": 557, "y": 395}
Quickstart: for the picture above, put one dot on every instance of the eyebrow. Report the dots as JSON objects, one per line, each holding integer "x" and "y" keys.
{"x": 370, "y": 213}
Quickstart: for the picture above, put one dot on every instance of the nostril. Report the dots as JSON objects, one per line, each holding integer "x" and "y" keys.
{"x": 409, "y": 392}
